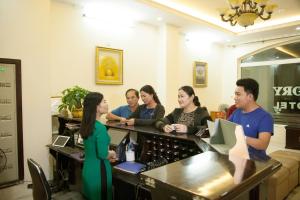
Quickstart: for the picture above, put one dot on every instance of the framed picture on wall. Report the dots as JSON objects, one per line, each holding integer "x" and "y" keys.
{"x": 200, "y": 74}
{"x": 109, "y": 66}
{"x": 55, "y": 102}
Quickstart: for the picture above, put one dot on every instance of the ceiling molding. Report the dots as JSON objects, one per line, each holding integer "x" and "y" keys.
{"x": 269, "y": 28}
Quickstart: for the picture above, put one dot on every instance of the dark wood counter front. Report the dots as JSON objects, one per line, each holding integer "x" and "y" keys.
{"x": 292, "y": 137}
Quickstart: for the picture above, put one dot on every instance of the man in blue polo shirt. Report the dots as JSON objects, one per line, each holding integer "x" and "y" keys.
{"x": 257, "y": 123}
{"x": 123, "y": 112}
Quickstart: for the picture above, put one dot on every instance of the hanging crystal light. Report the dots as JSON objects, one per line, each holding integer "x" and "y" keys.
{"x": 245, "y": 12}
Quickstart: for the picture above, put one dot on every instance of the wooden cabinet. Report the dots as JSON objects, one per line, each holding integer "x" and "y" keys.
{"x": 293, "y": 137}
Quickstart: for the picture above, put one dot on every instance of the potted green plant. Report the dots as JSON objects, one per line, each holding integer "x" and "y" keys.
{"x": 72, "y": 100}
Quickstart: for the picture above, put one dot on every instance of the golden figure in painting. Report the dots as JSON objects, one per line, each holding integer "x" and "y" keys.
{"x": 108, "y": 69}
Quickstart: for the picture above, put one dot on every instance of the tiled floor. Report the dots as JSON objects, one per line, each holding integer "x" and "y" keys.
{"x": 17, "y": 192}
{"x": 295, "y": 194}
{"x": 20, "y": 192}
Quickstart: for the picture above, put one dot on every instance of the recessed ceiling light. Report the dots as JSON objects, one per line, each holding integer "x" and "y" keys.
{"x": 298, "y": 28}
{"x": 159, "y": 18}
{"x": 280, "y": 10}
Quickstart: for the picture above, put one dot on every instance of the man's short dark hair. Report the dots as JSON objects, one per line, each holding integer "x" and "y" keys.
{"x": 250, "y": 86}
{"x": 135, "y": 92}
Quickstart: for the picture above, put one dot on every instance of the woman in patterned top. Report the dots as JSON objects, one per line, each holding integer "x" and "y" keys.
{"x": 189, "y": 118}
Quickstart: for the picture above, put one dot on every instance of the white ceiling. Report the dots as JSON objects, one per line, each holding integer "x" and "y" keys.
{"x": 288, "y": 11}
{"x": 203, "y": 16}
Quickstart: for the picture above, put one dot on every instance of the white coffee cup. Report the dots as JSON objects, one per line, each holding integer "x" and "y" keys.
{"x": 173, "y": 127}
{"x": 130, "y": 155}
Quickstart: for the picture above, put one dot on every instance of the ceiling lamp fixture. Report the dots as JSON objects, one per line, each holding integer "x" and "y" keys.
{"x": 245, "y": 12}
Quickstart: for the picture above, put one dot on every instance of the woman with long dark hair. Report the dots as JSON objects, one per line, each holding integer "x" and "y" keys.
{"x": 150, "y": 111}
{"x": 189, "y": 118}
{"x": 97, "y": 173}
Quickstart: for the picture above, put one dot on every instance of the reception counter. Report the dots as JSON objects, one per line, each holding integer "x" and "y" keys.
{"x": 209, "y": 175}
{"x": 189, "y": 168}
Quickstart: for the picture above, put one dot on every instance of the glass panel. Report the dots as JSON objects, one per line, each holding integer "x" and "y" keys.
{"x": 287, "y": 51}
{"x": 279, "y": 86}
{"x": 264, "y": 75}
{"x": 287, "y": 89}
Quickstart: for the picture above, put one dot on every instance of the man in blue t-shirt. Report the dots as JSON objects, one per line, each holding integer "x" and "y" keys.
{"x": 123, "y": 112}
{"x": 257, "y": 123}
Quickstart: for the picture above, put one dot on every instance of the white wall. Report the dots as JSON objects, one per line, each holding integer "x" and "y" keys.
{"x": 73, "y": 43}
{"x": 152, "y": 55}
{"x": 205, "y": 51}
{"x": 178, "y": 63}
{"x": 173, "y": 76}
{"x": 24, "y": 35}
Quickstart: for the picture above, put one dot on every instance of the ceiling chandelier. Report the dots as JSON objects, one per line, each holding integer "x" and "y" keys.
{"x": 245, "y": 12}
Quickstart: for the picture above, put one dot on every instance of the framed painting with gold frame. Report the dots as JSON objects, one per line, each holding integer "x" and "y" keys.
{"x": 200, "y": 74}
{"x": 109, "y": 66}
